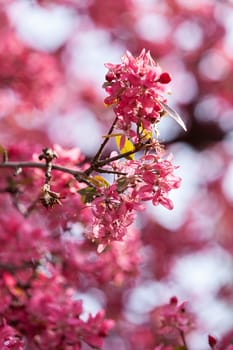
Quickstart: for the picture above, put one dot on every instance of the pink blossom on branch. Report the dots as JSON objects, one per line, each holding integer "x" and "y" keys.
{"x": 135, "y": 88}
{"x": 150, "y": 178}
{"x": 173, "y": 322}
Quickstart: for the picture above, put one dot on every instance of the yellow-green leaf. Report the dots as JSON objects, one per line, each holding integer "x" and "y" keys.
{"x": 98, "y": 181}
{"x": 145, "y": 134}
{"x": 87, "y": 194}
{"x": 124, "y": 145}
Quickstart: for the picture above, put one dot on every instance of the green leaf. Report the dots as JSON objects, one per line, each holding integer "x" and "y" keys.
{"x": 124, "y": 145}
{"x": 87, "y": 194}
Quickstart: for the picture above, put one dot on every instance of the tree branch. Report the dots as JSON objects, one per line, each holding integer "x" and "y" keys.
{"x": 18, "y": 165}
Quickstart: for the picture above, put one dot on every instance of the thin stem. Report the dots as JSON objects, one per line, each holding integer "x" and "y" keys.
{"x": 105, "y": 171}
{"x": 100, "y": 150}
{"x": 105, "y": 161}
{"x": 183, "y": 339}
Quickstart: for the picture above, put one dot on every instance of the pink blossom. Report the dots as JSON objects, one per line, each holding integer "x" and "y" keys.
{"x": 135, "y": 88}
{"x": 10, "y": 339}
{"x": 173, "y": 318}
{"x": 112, "y": 215}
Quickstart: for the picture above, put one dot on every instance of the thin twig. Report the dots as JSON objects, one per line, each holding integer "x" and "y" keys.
{"x": 100, "y": 150}
{"x": 105, "y": 171}
{"x": 183, "y": 339}
{"x": 105, "y": 161}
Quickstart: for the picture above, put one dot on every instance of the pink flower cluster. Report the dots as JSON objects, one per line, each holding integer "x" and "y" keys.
{"x": 9, "y": 338}
{"x": 173, "y": 317}
{"x": 112, "y": 214}
{"x": 48, "y": 313}
{"x": 172, "y": 322}
{"x": 148, "y": 179}
{"x": 154, "y": 179}
{"x": 135, "y": 88}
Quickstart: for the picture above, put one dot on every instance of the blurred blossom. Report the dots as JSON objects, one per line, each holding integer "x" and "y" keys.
{"x": 227, "y": 183}
{"x": 94, "y": 45}
{"x": 153, "y": 27}
{"x": 188, "y": 30}
{"x": 74, "y": 130}
{"x": 213, "y": 65}
{"x": 186, "y": 87}
{"x": 57, "y": 24}
{"x": 210, "y": 107}
{"x": 195, "y": 5}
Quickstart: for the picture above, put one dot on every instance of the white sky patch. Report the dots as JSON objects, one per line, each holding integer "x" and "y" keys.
{"x": 195, "y": 4}
{"x": 226, "y": 120}
{"x": 153, "y": 27}
{"x": 210, "y": 108}
{"x": 203, "y": 272}
{"x": 199, "y": 276}
{"x": 227, "y": 183}
{"x": 144, "y": 298}
{"x": 74, "y": 232}
{"x": 188, "y": 35}
{"x": 77, "y": 129}
{"x": 93, "y": 302}
{"x": 92, "y": 48}
{"x": 145, "y": 3}
{"x": 42, "y": 28}
{"x": 185, "y": 87}
{"x": 189, "y": 170}
{"x": 224, "y": 15}
{"x": 196, "y": 279}
{"x": 215, "y": 318}
{"x": 228, "y": 42}
{"x": 169, "y": 128}
{"x": 213, "y": 65}
{"x": 212, "y": 165}
{"x": 8, "y": 101}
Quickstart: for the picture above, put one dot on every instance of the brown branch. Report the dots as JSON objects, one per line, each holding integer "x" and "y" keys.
{"x": 18, "y": 165}
{"x": 80, "y": 176}
{"x": 105, "y": 171}
{"x": 105, "y": 161}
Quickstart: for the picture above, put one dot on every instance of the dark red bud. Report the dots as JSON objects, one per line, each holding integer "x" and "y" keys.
{"x": 109, "y": 76}
{"x": 173, "y": 300}
{"x": 212, "y": 341}
{"x": 165, "y": 78}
